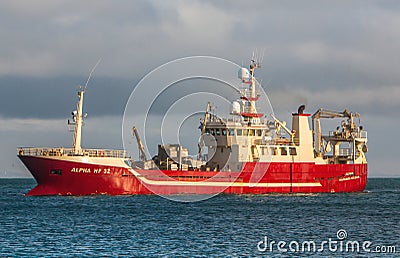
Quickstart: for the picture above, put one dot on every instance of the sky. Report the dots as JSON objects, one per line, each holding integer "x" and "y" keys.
{"x": 331, "y": 54}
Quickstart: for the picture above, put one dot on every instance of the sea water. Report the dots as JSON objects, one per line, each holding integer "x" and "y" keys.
{"x": 225, "y": 225}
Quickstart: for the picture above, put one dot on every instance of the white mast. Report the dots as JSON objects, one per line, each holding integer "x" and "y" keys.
{"x": 78, "y": 116}
{"x": 249, "y": 99}
{"x": 253, "y": 97}
{"x": 252, "y": 107}
{"x": 78, "y": 119}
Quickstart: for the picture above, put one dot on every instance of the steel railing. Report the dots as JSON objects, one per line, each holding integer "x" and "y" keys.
{"x": 360, "y": 134}
{"x": 28, "y": 151}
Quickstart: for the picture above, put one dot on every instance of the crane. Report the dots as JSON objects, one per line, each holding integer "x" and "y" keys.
{"x": 323, "y": 113}
{"x": 203, "y": 128}
{"x": 142, "y": 153}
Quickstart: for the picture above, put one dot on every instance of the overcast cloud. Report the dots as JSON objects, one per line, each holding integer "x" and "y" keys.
{"x": 334, "y": 54}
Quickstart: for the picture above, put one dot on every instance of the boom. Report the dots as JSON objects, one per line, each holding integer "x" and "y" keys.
{"x": 142, "y": 153}
{"x": 203, "y": 128}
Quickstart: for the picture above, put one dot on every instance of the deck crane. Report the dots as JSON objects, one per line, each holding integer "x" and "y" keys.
{"x": 203, "y": 129}
{"x": 348, "y": 128}
{"x": 142, "y": 153}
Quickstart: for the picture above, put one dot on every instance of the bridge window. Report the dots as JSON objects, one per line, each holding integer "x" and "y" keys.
{"x": 239, "y": 132}
{"x": 245, "y": 132}
{"x": 217, "y": 131}
{"x": 259, "y": 132}
{"x": 223, "y": 132}
{"x": 252, "y": 132}
{"x": 231, "y": 131}
{"x": 292, "y": 151}
{"x": 283, "y": 151}
{"x": 212, "y": 131}
{"x": 207, "y": 131}
{"x": 273, "y": 151}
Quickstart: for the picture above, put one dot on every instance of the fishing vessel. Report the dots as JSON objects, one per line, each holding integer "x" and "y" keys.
{"x": 246, "y": 153}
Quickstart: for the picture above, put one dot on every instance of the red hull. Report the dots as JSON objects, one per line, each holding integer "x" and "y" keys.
{"x": 79, "y": 178}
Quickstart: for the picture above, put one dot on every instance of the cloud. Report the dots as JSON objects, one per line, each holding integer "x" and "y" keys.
{"x": 56, "y": 97}
{"x": 32, "y": 125}
{"x": 60, "y": 37}
{"x": 52, "y": 38}
{"x": 381, "y": 101}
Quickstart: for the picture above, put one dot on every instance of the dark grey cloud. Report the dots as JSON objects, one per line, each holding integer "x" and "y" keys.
{"x": 30, "y": 97}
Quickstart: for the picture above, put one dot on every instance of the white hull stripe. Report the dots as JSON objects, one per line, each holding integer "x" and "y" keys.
{"x": 222, "y": 184}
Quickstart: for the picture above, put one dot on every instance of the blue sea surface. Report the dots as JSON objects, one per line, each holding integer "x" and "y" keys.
{"x": 223, "y": 226}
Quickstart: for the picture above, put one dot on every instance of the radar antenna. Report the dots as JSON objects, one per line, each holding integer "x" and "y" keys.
{"x": 91, "y": 72}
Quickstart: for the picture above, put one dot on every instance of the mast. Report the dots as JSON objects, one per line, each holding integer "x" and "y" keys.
{"x": 250, "y": 113}
{"x": 77, "y": 115}
{"x": 252, "y": 108}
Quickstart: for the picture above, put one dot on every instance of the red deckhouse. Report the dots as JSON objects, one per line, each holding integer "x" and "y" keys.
{"x": 245, "y": 155}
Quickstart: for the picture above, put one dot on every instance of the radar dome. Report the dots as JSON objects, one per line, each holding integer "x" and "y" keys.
{"x": 244, "y": 74}
{"x": 235, "y": 108}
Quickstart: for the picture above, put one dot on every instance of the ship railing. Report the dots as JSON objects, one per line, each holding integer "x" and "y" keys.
{"x": 278, "y": 142}
{"x": 359, "y": 134}
{"x": 105, "y": 153}
{"x": 245, "y": 93}
{"x": 54, "y": 152}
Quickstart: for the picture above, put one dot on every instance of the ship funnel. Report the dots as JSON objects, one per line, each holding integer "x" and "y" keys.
{"x": 303, "y": 133}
